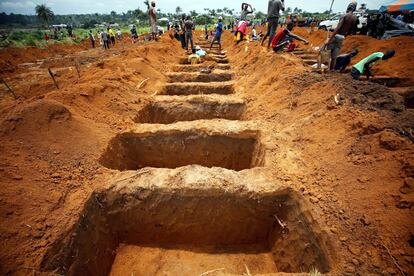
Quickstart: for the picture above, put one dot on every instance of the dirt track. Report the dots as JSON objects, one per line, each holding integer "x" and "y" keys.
{"x": 252, "y": 164}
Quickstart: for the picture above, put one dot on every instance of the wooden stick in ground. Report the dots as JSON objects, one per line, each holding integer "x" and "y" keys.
{"x": 247, "y": 271}
{"x": 393, "y": 259}
{"x": 53, "y": 78}
{"x": 8, "y": 88}
{"x": 142, "y": 82}
{"x": 211, "y": 271}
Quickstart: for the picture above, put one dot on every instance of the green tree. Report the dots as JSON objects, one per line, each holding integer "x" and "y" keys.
{"x": 178, "y": 10}
{"x": 288, "y": 11}
{"x": 297, "y": 10}
{"x": 44, "y": 13}
{"x": 146, "y": 3}
{"x": 212, "y": 12}
{"x": 193, "y": 14}
{"x": 260, "y": 15}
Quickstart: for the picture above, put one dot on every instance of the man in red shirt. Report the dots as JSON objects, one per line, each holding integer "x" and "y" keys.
{"x": 285, "y": 37}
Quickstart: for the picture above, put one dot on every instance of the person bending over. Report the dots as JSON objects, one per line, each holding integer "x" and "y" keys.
{"x": 346, "y": 26}
{"x": 285, "y": 37}
{"x": 342, "y": 61}
{"x": 364, "y": 66}
{"x": 194, "y": 58}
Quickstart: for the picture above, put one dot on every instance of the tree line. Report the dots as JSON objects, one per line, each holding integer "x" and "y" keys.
{"x": 45, "y": 16}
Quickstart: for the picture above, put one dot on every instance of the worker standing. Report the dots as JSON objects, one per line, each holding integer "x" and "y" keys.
{"x": 345, "y": 27}
{"x": 189, "y": 26}
{"x": 152, "y": 12}
{"x": 273, "y": 14}
{"x": 92, "y": 38}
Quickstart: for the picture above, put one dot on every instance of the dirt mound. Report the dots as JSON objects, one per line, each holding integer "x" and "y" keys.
{"x": 397, "y": 67}
{"x": 10, "y": 58}
{"x": 365, "y": 95}
{"x": 35, "y": 117}
{"x": 356, "y": 177}
{"x": 46, "y": 126}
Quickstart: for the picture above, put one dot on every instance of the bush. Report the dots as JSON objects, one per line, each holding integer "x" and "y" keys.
{"x": 17, "y": 35}
{"x": 30, "y": 41}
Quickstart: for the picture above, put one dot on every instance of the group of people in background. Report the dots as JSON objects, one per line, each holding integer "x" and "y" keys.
{"x": 277, "y": 40}
{"x": 106, "y": 37}
{"x": 346, "y": 26}
{"x": 335, "y": 43}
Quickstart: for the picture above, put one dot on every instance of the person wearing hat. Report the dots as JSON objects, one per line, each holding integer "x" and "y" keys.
{"x": 346, "y": 26}
{"x": 219, "y": 31}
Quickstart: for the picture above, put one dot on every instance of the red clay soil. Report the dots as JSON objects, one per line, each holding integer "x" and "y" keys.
{"x": 397, "y": 67}
{"x": 353, "y": 161}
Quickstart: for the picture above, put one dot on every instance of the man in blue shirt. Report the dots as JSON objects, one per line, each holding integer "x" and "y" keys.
{"x": 217, "y": 36}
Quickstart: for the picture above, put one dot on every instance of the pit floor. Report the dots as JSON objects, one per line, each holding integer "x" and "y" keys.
{"x": 139, "y": 260}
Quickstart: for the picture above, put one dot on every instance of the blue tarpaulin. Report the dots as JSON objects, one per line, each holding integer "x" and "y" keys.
{"x": 398, "y": 5}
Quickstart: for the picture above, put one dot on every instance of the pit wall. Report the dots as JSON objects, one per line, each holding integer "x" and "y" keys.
{"x": 210, "y": 143}
{"x": 148, "y": 211}
{"x": 171, "y": 109}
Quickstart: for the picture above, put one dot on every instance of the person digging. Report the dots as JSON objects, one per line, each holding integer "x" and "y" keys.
{"x": 364, "y": 66}
{"x": 346, "y": 26}
{"x": 284, "y": 38}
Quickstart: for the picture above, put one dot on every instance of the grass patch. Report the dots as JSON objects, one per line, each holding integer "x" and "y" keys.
{"x": 35, "y": 37}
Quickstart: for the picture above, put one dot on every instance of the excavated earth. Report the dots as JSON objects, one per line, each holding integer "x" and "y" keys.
{"x": 139, "y": 163}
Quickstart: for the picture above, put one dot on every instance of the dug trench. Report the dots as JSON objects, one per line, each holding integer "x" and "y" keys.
{"x": 187, "y": 224}
{"x": 184, "y": 144}
{"x": 191, "y": 231}
{"x": 170, "y": 109}
{"x": 200, "y": 67}
{"x": 214, "y": 76}
{"x": 194, "y": 88}
{"x": 219, "y": 59}
{"x": 205, "y": 78}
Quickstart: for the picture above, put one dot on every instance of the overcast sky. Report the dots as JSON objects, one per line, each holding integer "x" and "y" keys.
{"x": 105, "y": 6}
